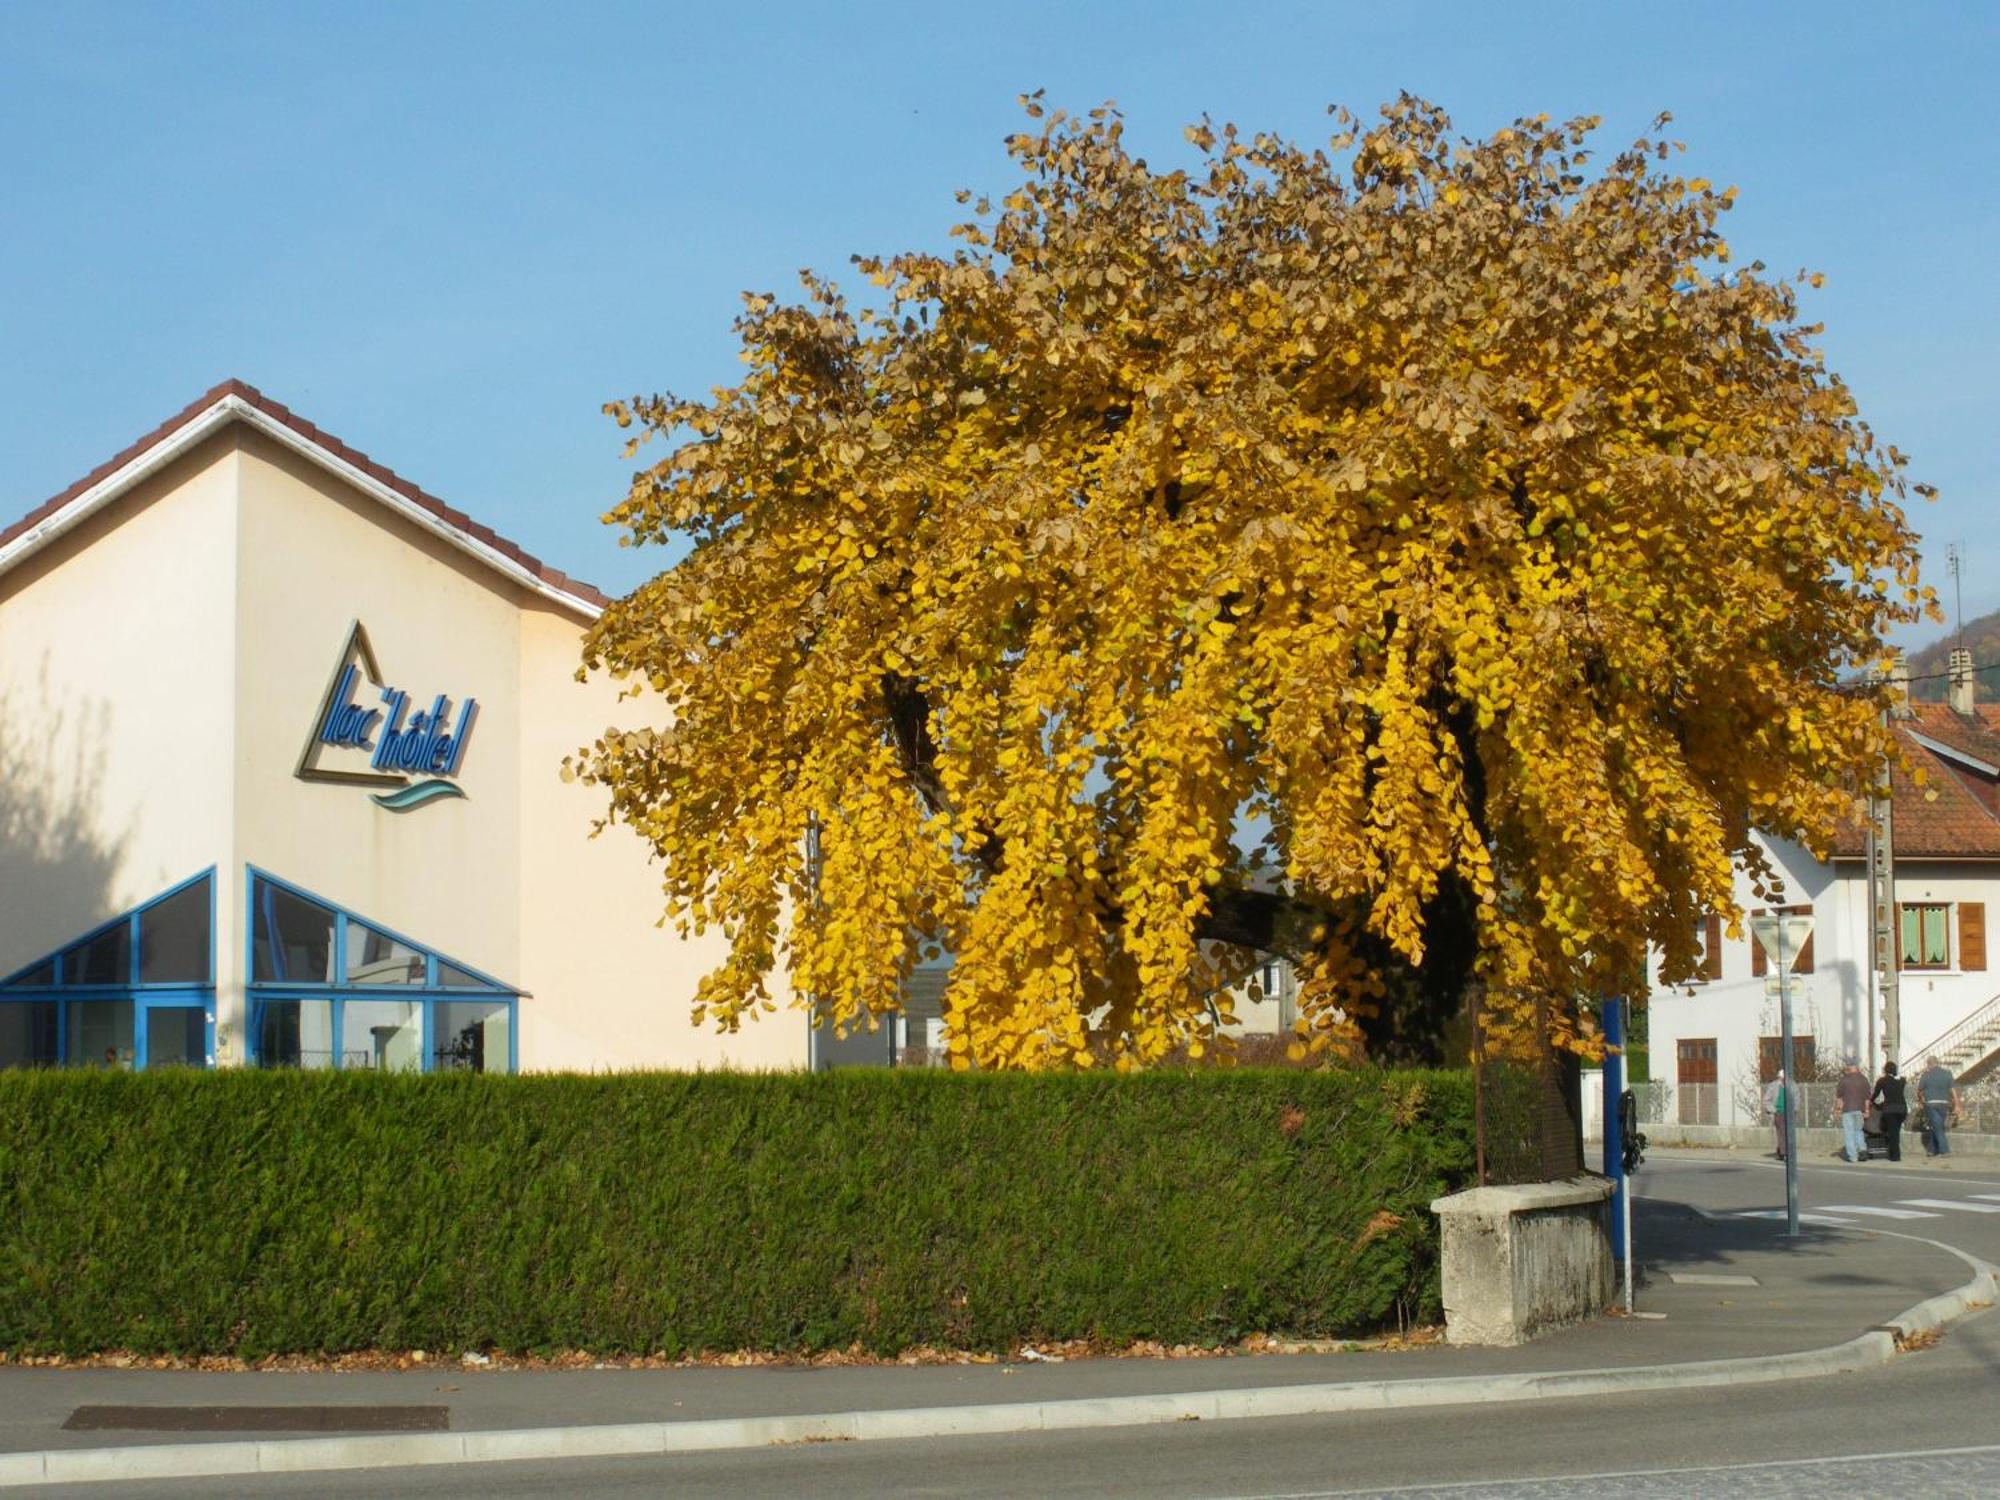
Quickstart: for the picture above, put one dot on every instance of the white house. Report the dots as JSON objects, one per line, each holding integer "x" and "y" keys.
{"x": 1716, "y": 1041}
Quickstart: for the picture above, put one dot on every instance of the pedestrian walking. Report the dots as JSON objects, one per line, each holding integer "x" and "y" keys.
{"x": 1850, "y": 1108}
{"x": 1937, "y": 1096}
{"x": 1891, "y": 1109}
{"x": 1774, "y": 1106}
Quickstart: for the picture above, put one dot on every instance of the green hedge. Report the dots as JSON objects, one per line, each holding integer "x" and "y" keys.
{"x": 250, "y": 1213}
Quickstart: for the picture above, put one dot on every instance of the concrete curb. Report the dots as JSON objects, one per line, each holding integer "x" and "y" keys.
{"x": 292, "y": 1456}
{"x": 1933, "y": 1314}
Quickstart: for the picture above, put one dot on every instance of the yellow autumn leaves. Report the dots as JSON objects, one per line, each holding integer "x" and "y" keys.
{"x": 1300, "y": 550}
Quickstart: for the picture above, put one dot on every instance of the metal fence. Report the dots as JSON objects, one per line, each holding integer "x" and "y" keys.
{"x": 1663, "y": 1103}
{"x": 1527, "y": 1109}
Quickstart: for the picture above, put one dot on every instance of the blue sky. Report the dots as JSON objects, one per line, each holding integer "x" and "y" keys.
{"x": 448, "y": 233}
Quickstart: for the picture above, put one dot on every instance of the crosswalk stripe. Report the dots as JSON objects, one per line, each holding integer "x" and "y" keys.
{"x": 1961, "y": 1207}
{"x": 1779, "y": 1213}
{"x": 1880, "y": 1213}
{"x": 1989, "y": 1197}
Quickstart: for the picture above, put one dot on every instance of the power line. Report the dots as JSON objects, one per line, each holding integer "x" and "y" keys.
{"x": 1860, "y": 684}
{"x": 1991, "y": 666}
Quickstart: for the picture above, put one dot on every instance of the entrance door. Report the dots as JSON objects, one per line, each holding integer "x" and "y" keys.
{"x": 176, "y": 1033}
{"x": 1694, "y": 1080}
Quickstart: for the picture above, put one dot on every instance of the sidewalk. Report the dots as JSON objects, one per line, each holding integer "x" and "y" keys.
{"x": 1816, "y": 1142}
{"x": 1820, "y": 1291}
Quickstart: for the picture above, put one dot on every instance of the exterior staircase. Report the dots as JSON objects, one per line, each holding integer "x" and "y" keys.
{"x": 1971, "y": 1049}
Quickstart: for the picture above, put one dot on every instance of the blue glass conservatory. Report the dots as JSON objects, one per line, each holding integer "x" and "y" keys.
{"x": 327, "y": 989}
{"x": 135, "y": 992}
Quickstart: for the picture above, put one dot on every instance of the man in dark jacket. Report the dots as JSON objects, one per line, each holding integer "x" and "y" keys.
{"x": 1891, "y": 1109}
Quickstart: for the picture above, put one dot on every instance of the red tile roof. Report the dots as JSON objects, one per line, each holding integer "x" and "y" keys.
{"x": 1955, "y": 814}
{"x": 278, "y": 412}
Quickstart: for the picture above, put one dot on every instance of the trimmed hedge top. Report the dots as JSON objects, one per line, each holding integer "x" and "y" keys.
{"x": 276, "y": 1212}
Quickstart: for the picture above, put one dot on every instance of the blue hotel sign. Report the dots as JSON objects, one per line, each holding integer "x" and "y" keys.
{"x": 367, "y": 733}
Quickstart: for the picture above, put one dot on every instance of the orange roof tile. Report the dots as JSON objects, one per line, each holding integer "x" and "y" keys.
{"x": 1955, "y": 814}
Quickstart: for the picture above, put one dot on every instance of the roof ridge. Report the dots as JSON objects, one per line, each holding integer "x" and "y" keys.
{"x": 381, "y": 473}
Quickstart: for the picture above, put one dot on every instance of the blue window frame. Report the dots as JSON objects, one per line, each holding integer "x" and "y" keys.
{"x": 330, "y": 988}
{"x": 137, "y": 991}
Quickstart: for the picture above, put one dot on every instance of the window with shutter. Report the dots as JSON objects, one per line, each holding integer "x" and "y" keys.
{"x": 1711, "y": 947}
{"x": 1972, "y": 936}
{"x": 1694, "y": 1060}
{"x": 1771, "y": 1051}
{"x": 1924, "y": 933}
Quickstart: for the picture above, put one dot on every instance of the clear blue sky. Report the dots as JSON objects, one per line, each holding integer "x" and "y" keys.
{"x": 448, "y": 233}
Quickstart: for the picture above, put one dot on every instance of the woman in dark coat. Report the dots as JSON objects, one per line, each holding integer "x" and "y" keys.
{"x": 1891, "y": 1108}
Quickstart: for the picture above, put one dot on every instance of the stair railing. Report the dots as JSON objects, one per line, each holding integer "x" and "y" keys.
{"x": 1987, "y": 1015}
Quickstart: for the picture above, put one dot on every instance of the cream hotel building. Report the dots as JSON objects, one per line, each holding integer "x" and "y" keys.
{"x": 280, "y": 736}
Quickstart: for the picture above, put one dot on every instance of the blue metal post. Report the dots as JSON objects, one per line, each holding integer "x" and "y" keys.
{"x": 1614, "y": 1135}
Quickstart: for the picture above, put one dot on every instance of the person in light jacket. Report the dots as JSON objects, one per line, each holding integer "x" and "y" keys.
{"x": 1774, "y": 1105}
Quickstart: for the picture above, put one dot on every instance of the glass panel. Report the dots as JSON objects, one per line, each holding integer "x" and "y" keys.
{"x": 453, "y": 978}
{"x": 38, "y": 978}
{"x": 376, "y": 958}
{"x": 292, "y": 937}
{"x": 100, "y": 1034}
{"x": 471, "y": 1037}
{"x": 176, "y": 1037}
{"x": 384, "y": 1034}
{"x": 28, "y": 1034}
{"x": 173, "y": 938}
{"x": 295, "y": 1033}
{"x": 1934, "y": 936}
{"x": 105, "y": 959}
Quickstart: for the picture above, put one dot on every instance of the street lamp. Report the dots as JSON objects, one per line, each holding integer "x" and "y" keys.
{"x": 1781, "y": 937}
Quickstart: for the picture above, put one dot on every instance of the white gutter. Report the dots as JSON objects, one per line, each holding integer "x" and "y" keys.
{"x": 234, "y": 408}
{"x": 1947, "y": 752}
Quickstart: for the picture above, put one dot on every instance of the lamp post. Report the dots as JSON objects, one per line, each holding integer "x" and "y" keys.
{"x": 1781, "y": 937}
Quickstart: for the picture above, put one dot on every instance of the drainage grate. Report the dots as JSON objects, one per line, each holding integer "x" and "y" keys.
{"x": 259, "y": 1419}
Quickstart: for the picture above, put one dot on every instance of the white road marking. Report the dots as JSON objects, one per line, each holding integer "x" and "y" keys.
{"x": 1989, "y": 1197}
{"x": 1880, "y": 1213}
{"x": 1779, "y": 1213}
{"x": 1953, "y": 1203}
{"x": 1552, "y": 1480}
{"x": 1709, "y": 1278}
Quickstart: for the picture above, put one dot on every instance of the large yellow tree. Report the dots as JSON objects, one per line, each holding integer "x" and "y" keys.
{"x": 1423, "y": 557}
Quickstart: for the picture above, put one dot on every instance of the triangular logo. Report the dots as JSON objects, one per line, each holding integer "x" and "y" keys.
{"x": 355, "y": 675}
{"x": 368, "y": 733}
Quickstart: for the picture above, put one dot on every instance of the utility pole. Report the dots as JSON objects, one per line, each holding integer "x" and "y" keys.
{"x": 1881, "y": 855}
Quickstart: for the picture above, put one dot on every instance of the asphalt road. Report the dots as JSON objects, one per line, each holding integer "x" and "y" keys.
{"x": 1928, "y": 1424}
{"x": 1958, "y": 1204}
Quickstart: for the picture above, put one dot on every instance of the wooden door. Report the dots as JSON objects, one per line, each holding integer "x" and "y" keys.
{"x": 1694, "y": 1080}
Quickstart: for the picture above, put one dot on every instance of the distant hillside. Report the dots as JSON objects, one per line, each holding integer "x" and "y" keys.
{"x": 1982, "y": 639}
